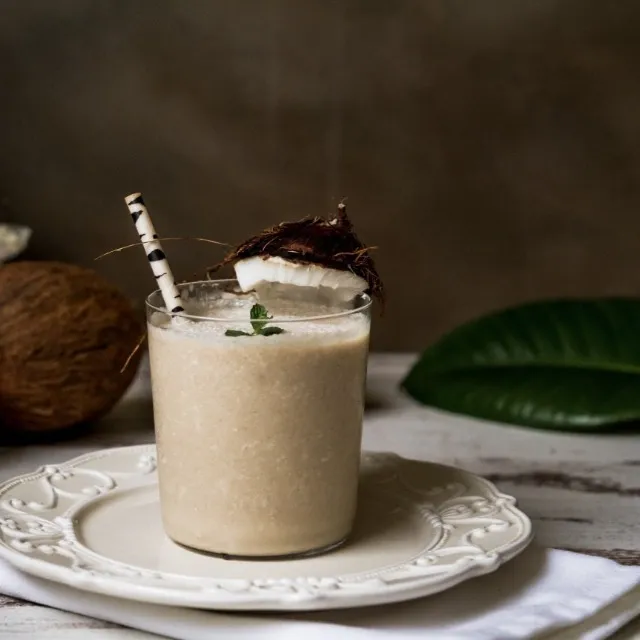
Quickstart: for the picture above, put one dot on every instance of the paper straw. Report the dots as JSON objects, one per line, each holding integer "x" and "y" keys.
{"x": 155, "y": 255}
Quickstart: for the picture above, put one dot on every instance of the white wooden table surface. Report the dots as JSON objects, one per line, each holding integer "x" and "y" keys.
{"x": 582, "y": 492}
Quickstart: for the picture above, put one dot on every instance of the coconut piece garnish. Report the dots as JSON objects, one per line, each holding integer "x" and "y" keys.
{"x": 312, "y": 252}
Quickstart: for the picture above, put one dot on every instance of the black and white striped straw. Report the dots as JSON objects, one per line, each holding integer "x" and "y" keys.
{"x": 155, "y": 255}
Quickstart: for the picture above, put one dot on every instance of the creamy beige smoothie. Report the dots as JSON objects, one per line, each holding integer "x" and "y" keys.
{"x": 258, "y": 436}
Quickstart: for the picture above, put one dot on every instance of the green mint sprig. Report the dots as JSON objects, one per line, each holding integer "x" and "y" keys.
{"x": 259, "y": 320}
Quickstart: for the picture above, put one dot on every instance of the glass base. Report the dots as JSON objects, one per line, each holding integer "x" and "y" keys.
{"x": 298, "y": 555}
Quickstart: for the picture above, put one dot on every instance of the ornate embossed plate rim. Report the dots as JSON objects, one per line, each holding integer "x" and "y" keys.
{"x": 306, "y": 593}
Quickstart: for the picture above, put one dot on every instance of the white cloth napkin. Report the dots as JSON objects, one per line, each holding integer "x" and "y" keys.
{"x": 542, "y": 591}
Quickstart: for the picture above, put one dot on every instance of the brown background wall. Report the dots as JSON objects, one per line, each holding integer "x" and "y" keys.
{"x": 491, "y": 148}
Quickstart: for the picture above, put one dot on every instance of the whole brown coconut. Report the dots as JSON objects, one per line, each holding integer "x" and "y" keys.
{"x": 330, "y": 243}
{"x": 65, "y": 334}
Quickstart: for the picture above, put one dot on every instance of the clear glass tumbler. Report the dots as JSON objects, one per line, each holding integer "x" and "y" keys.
{"x": 258, "y": 435}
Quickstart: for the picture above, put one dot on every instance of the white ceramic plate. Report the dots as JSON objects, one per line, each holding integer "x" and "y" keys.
{"x": 94, "y": 523}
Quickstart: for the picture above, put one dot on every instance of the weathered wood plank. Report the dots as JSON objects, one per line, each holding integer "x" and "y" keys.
{"x": 6, "y": 601}
{"x": 41, "y": 623}
{"x": 622, "y": 556}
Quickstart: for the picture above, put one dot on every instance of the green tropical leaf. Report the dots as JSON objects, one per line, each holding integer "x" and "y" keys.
{"x": 559, "y": 364}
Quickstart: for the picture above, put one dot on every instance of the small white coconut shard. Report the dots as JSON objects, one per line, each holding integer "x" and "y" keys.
{"x": 256, "y": 271}
{"x": 14, "y": 239}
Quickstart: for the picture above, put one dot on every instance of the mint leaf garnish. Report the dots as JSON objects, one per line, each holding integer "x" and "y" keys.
{"x": 235, "y": 333}
{"x": 259, "y": 317}
{"x": 272, "y": 331}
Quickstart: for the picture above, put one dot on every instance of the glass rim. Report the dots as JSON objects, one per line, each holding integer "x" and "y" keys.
{"x": 367, "y": 302}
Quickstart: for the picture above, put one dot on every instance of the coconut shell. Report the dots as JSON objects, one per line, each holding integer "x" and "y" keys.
{"x": 65, "y": 334}
{"x": 330, "y": 243}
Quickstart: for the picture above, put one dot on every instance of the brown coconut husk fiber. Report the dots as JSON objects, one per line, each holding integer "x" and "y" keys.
{"x": 65, "y": 335}
{"x": 326, "y": 242}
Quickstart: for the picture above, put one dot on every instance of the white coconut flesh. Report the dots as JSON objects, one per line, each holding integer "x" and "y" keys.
{"x": 255, "y": 272}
